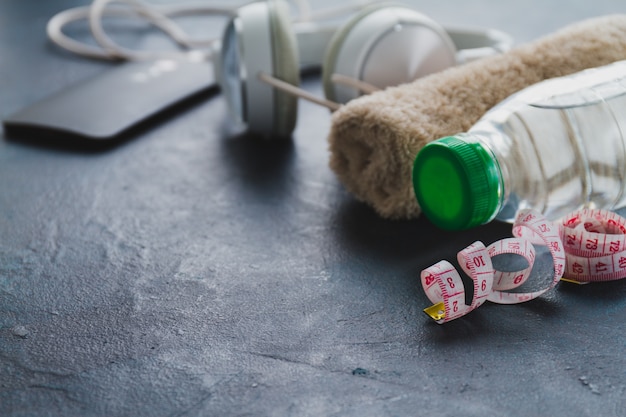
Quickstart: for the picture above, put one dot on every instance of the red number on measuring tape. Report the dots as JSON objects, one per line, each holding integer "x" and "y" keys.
{"x": 615, "y": 246}
{"x": 613, "y": 223}
{"x": 571, "y": 240}
{"x": 558, "y": 270}
{"x": 577, "y": 268}
{"x": 514, "y": 246}
{"x": 592, "y": 244}
{"x": 601, "y": 267}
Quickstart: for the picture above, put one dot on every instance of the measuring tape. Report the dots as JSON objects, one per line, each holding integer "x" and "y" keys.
{"x": 595, "y": 241}
{"x": 589, "y": 245}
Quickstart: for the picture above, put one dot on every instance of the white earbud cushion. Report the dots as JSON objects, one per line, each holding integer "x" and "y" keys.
{"x": 259, "y": 40}
{"x": 285, "y": 61}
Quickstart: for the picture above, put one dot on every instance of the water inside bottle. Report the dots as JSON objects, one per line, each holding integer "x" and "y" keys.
{"x": 568, "y": 151}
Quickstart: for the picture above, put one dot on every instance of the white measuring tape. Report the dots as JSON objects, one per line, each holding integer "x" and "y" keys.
{"x": 595, "y": 241}
{"x": 589, "y": 245}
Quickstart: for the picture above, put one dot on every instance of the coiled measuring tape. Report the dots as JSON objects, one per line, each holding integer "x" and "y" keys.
{"x": 589, "y": 245}
{"x": 595, "y": 241}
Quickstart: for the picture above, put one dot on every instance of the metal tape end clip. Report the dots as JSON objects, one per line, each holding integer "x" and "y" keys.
{"x": 436, "y": 312}
{"x": 571, "y": 281}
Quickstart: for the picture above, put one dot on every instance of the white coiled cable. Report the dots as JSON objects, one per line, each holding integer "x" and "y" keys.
{"x": 162, "y": 17}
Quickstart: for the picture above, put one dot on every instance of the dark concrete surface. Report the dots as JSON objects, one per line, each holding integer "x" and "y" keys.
{"x": 194, "y": 271}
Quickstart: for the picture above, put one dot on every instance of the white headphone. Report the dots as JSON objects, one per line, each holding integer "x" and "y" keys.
{"x": 259, "y": 58}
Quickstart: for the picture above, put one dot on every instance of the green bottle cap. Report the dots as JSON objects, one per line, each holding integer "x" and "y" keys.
{"x": 457, "y": 183}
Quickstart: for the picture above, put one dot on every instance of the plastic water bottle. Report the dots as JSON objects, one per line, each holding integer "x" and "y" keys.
{"x": 556, "y": 146}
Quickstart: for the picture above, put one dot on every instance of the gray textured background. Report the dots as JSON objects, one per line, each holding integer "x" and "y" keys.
{"x": 195, "y": 272}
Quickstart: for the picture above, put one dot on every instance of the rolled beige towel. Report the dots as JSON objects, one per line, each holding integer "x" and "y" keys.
{"x": 374, "y": 139}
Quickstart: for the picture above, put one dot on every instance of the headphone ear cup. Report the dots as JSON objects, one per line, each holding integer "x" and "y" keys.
{"x": 334, "y": 50}
{"x": 259, "y": 40}
{"x": 285, "y": 62}
{"x": 383, "y": 46}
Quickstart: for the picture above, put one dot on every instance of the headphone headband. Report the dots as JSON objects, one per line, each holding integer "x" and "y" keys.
{"x": 313, "y": 40}
{"x": 473, "y": 43}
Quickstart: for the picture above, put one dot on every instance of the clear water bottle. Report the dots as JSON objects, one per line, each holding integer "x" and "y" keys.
{"x": 556, "y": 146}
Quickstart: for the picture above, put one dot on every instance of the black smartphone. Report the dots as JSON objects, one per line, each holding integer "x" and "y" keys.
{"x": 106, "y": 106}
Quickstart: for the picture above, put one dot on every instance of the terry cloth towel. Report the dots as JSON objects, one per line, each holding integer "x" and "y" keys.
{"x": 374, "y": 139}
